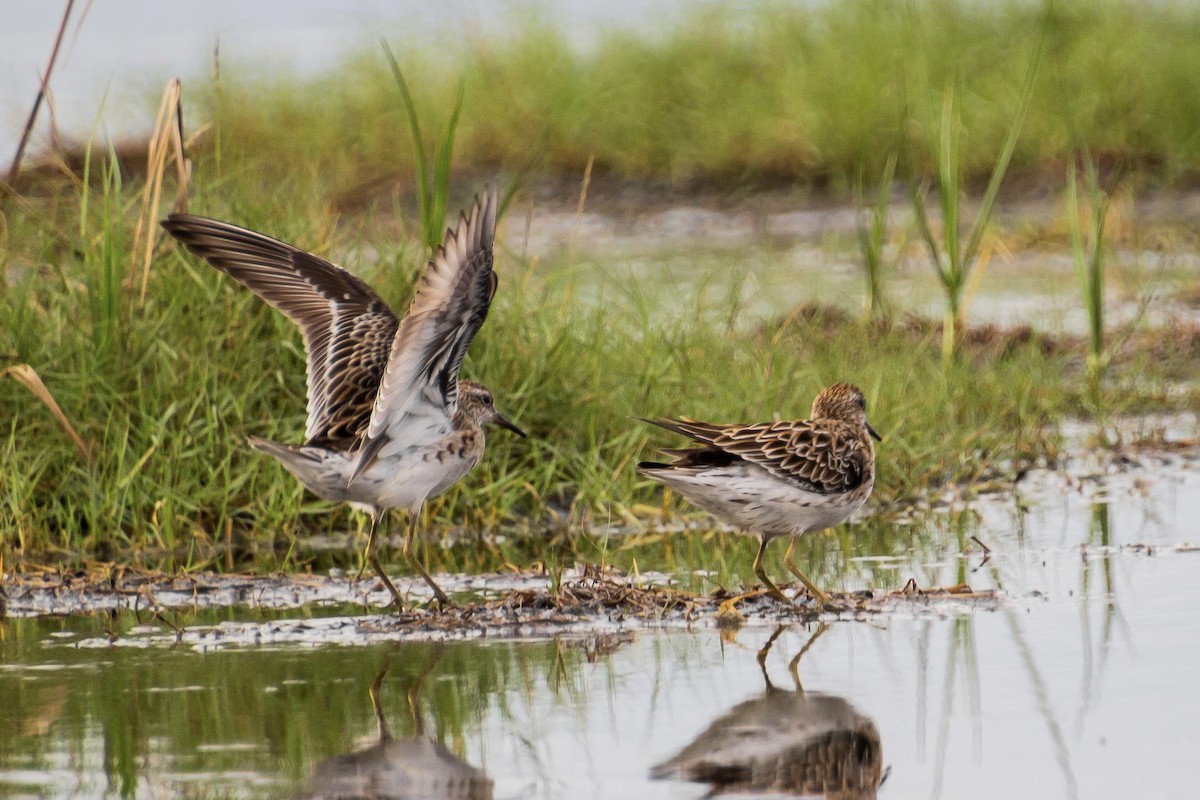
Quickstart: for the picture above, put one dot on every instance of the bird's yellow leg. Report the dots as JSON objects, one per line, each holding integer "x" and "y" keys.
{"x": 380, "y": 722}
{"x": 772, "y": 589}
{"x": 794, "y": 664}
{"x": 373, "y": 560}
{"x": 819, "y": 597}
{"x": 366, "y": 554}
{"x": 442, "y": 598}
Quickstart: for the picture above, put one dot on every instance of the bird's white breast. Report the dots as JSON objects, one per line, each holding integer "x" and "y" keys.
{"x": 750, "y": 498}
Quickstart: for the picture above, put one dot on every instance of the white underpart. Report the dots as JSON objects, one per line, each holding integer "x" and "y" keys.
{"x": 404, "y": 476}
{"x": 755, "y": 501}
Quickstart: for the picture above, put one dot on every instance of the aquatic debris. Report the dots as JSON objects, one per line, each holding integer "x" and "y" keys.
{"x": 590, "y": 601}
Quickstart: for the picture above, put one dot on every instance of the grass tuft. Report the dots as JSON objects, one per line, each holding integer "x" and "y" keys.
{"x": 433, "y": 189}
{"x": 952, "y": 259}
{"x": 872, "y": 229}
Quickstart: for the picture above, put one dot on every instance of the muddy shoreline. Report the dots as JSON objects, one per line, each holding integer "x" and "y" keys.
{"x": 586, "y": 594}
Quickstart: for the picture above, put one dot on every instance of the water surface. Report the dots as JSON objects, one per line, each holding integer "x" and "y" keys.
{"x": 1080, "y": 685}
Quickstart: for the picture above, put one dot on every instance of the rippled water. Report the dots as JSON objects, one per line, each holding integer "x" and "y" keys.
{"x": 1082, "y": 684}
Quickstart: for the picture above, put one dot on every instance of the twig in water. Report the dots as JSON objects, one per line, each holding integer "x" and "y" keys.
{"x": 987, "y": 554}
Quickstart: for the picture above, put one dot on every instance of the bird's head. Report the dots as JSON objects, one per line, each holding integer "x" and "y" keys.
{"x": 476, "y": 401}
{"x": 843, "y": 401}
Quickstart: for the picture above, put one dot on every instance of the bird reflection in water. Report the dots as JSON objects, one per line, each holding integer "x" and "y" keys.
{"x": 414, "y": 768}
{"x": 801, "y": 744}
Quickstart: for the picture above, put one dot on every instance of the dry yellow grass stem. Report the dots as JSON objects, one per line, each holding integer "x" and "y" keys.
{"x": 168, "y": 135}
{"x": 28, "y": 377}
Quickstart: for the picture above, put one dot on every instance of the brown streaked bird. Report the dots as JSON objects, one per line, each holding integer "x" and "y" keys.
{"x": 390, "y": 424}
{"x": 805, "y": 744}
{"x": 777, "y": 479}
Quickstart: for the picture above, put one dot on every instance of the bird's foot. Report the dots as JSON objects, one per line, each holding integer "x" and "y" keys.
{"x": 397, "y": 605}
{"x": 821, "y": 601}
{"x": 397, "y": 598}
{"x": 727, "y": 611}
{"x": 440, "y": 597}
{"x": 443, "y": 601}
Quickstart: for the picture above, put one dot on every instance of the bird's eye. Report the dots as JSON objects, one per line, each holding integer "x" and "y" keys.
{"x": 487, "y": 400}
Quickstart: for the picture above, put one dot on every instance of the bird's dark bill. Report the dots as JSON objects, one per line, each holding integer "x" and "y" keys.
{"x": 505, "y": 422}
{"x": 874, "y": 435}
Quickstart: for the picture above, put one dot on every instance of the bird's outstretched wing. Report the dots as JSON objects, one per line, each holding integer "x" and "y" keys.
{"x": 449, "y": 306}
{"x": 821, "y": 456}
{"x": 348, "y": 330}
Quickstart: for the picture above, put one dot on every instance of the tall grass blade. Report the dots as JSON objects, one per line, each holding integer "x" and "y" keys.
{"x": 1010, "y": 145}
{"x": 167, "y": 135}
{"x": 420, "y": 159}
{"x": 918, "y": 193}
{"x": 872, "y": 225}
{"x": 1088, "y": 257}
{"x": 421, "y": 162}
{"x": 441, "y": 176}
{"x": 949, "y": 172}
{"x": 106, "y": 291}
{"x": 433, "y": 191}
{"x": 952, "y": 261}
{"x": 27, "y": 376}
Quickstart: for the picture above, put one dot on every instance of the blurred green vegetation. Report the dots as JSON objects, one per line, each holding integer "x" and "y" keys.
{"x": 808, "y": 92}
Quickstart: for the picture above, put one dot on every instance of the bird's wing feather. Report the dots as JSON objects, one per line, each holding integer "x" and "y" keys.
{"x": 822, "y": 456}
{"x": 448, "y": 308}
{"x": 347, "y": 327}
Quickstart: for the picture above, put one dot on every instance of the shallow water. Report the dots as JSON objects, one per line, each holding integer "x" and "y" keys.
{"x": 1080, "y": 684}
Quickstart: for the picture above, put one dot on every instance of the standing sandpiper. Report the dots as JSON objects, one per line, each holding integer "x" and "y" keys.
{"x": 389, "y": 422}
{"x": 778, "y": 478}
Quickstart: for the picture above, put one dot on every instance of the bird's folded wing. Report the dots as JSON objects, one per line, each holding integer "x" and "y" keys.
{"x": 820, "y": 458}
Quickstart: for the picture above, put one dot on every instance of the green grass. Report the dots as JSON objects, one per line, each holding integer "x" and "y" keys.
{"x": 953, "y": 258}
{"x": 806, "y": 92}
{"x": 872, "y": 229}
{"x": 166, "y": 392}
{"x": 433, "y": 187}
{"x": 1089, "y": 256}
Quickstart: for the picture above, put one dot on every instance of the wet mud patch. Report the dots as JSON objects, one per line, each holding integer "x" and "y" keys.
{"x": 589, "y": 601}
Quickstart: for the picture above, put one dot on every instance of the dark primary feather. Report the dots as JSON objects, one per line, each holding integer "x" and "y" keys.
{"x": 823, "y": 456}
{"x": 448, "y": 308}
{"x": 348, "y": 329}
{"x": 706, "y": 457}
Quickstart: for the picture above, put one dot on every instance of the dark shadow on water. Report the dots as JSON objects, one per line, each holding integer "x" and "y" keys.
{"x": 799, "y": 743}
{"x": 412, "y": 767}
